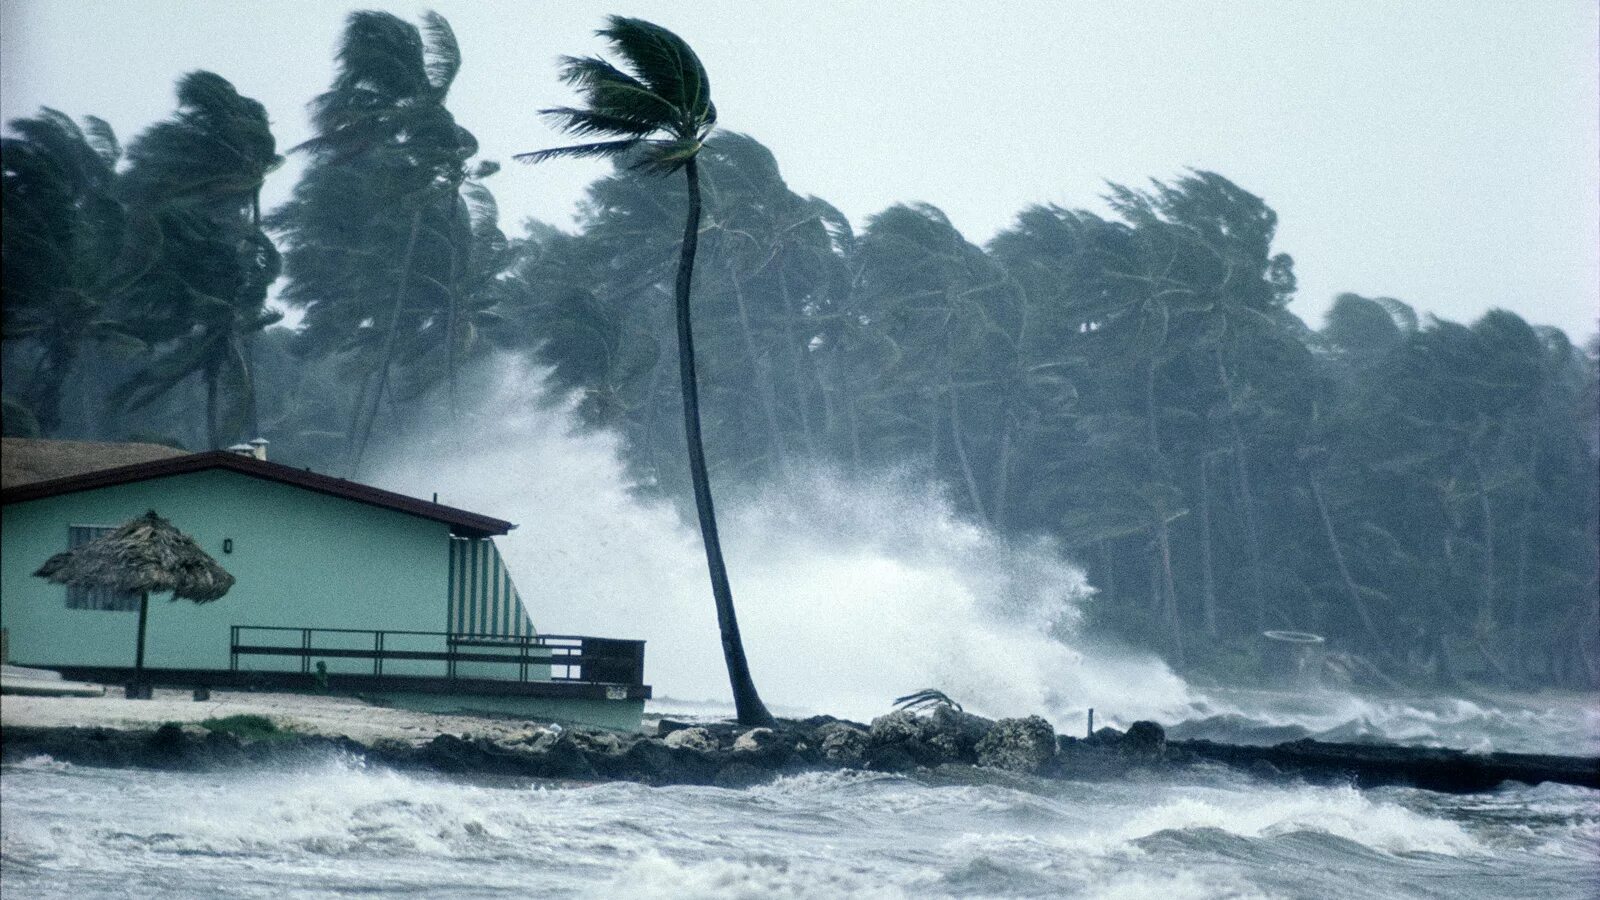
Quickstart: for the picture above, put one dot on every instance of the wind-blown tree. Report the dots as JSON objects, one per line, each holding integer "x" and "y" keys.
{"x": 197, "y": 263}
{"x": 659, "y": 113}
{"x": 380, "y": 235}
{"x": 59, "y": 242}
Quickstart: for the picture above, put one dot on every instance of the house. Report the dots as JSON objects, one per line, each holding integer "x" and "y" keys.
{"x": 339, "y": 586}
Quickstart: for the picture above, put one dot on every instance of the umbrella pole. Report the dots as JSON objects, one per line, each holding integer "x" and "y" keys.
{"x": 138, "y": 659}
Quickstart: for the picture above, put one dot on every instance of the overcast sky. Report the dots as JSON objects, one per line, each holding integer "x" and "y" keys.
{"x": 1446, "y": 153}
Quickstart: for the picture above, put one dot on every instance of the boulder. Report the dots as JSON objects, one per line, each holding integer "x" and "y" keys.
{"x": 665, "y": 727}
{"x": 755, "y": 739}
{"x": 1104, "y": 737}
{"x": 1145, "y": 739}
{"x": 842, "y": 744}
{"x": 654, "y": 762}
{"x": 955, "y": 734}
{"x": 604, "y": 742}
{"x": 691, "y": 739}
{"x": 895, "y": 728}
{"x": 1018, "y": 745}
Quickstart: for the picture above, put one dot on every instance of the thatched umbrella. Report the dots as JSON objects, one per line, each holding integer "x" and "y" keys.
{"x": 146, "y": 555}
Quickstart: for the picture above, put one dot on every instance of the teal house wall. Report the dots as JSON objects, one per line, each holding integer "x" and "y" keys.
{"x": 300, "y": 559}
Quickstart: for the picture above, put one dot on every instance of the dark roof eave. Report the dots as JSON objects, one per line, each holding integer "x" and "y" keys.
{"x": 461, "y": 522}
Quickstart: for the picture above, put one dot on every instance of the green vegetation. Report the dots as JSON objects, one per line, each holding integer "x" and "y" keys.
{"x": 1130, "y": 384}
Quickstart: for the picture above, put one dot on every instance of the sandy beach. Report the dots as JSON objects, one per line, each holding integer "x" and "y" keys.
{"x": 330, "y": 716}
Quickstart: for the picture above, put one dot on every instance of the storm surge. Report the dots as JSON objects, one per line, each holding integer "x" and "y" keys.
{"x": 343, "y": 829}
{"x": 850, "y": 590}
{"x": 853, "y": 590}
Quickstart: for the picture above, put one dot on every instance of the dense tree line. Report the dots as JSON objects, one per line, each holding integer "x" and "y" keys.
{"x": 1129, "y": 383}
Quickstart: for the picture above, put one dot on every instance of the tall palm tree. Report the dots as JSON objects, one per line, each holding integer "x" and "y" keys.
{"x": 379, "y": 234}
{"x": 198, "y": 264}
{"x": 62, "y": 231}
{"x": 658, "y": 114}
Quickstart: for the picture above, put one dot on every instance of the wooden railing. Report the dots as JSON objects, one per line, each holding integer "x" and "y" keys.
{"x": 568, "y": 657}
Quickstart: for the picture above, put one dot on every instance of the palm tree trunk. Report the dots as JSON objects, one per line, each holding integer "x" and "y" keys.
{"x": 1486, "y": 612}
{"x": 389, "y": 342}
{"x": 1170, "y": 589}
{"x": 1354, "y": 592}
{"x": 1108, "y": 572}
{"x": 1241, "y": 465}
{"x": 747, "y": 703}
{"x": 961, "y": 455}
{"x": 1002, "y": 476}
{"x": 1208, "y": 579}
{"x": 802, "y": 362}
{"x": 252, "y": 412}
{"x": 213, "y": 439}
{"x": 49, "y": 379}
{"x": 766, "y": 395}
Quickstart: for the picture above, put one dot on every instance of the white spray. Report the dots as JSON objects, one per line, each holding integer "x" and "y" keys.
{"x": 849, "y": 591}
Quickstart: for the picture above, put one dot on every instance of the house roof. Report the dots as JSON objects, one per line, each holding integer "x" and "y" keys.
{"x": 461, "y": 522}
{"x": 25, "y": 460}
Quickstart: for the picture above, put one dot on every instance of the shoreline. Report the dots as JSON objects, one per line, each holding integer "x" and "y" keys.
{"x": 167, "y": 733}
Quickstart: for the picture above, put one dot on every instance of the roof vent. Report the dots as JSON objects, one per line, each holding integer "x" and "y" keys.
{"x": 242, "y": 450}
{"x": 258, "y": 448}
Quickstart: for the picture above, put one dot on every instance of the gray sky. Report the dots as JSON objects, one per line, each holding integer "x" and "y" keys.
{"x": 1446, "y": 153}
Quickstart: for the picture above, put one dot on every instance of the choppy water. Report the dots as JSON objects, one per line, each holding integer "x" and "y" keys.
{"x": 830, "y": 571}
{"x": 341, "y": 829}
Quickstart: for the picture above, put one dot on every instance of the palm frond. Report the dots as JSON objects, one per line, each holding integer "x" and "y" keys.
{"x": 441, "y": 52}
{"x": 665, "y": 63}
{"x": 666, "y": 157}
{"x": 97, "y": 132}
{"x": 926, "y": 698}
{"x": 585, "y": 122}
{"x": 599, "y": 150}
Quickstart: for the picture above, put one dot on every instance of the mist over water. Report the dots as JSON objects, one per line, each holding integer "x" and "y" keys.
{"x": 850, "y": 591}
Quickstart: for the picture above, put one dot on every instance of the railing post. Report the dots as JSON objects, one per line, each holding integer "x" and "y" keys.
{"x": 377, "y": 653}
{"x": 233, "y": 648}
{"x": 305, "y": 651}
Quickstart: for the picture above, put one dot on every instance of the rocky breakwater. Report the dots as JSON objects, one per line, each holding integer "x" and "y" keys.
{"x": 677, "y": 753}
{"x": 942, "y": 744}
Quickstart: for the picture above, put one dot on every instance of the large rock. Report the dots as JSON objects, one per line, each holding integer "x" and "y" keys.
{"x": 841, "y": 743}
{"x": 955, "y": 734}
{"x": 754, "y": 740}
{"x": 1018, "y": 745}
{"x": 605, "y": 742}
{"x": 1145, "y": 739}
{"x": 691, "y": 739}
{"x": 896, "y": 728}
{"x": 1104, "y": 737}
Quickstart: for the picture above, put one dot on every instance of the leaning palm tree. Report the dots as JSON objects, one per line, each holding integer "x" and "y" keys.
{"x": 146, "y": 554}
{"x": 658, "y": 114}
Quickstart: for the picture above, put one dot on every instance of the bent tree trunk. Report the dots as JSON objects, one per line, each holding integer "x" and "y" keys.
{"x": 747, "y": 703}
{"x": 1352, "y": 590}
{"x": 388, "y": 345}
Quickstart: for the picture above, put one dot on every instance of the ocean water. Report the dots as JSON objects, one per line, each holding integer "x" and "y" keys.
{"x": 339, "y": 829}
{"x": 852, "y": 590}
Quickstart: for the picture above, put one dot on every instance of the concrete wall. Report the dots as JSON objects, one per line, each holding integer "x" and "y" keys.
{"x": 301, "y": 559}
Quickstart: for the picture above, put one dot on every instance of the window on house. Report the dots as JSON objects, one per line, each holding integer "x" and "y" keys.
{"x": 96, "y": 598}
